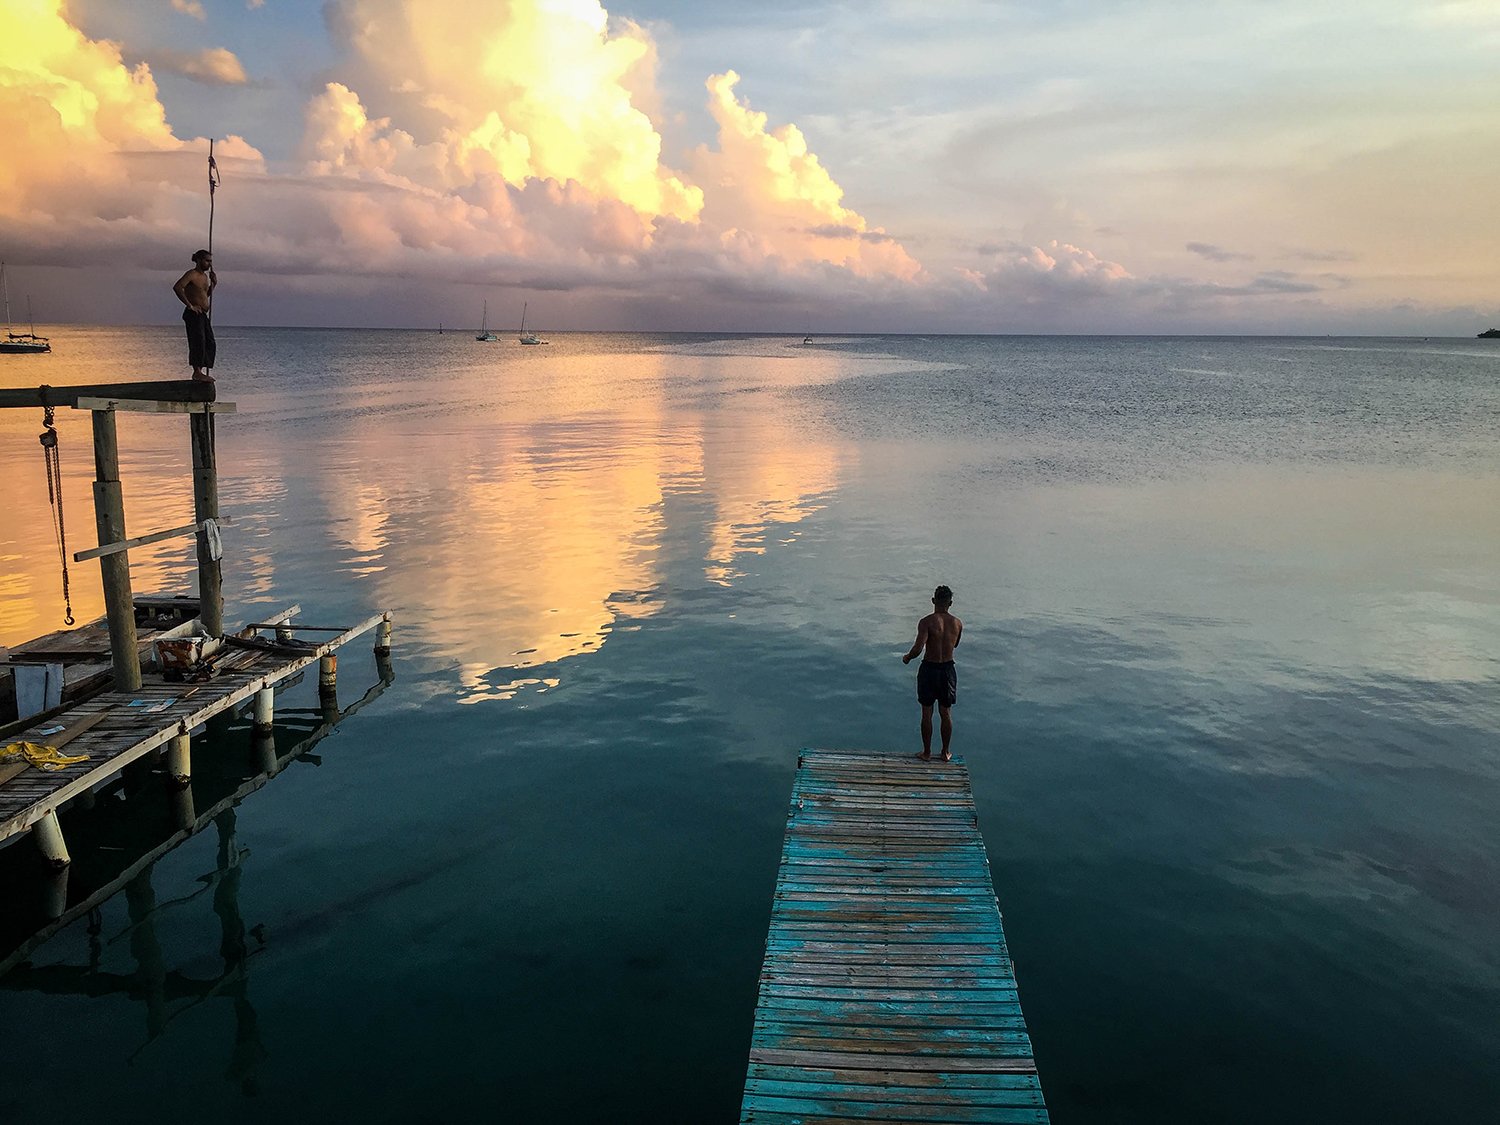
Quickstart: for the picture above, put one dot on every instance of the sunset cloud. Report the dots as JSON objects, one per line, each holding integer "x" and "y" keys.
{"x": 213, "y": 65}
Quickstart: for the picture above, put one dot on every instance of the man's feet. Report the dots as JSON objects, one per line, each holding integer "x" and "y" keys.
{"x": 925, "y": 756}
{"x": 203, "y": 377}
{"x": 947, "y": 755}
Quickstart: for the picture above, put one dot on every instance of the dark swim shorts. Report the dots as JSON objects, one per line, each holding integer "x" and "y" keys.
{"x": 937, "y": 683}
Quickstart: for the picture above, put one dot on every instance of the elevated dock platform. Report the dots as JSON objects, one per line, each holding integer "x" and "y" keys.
{"x": 115, "y": 728}
{"x": 887, "y": 992}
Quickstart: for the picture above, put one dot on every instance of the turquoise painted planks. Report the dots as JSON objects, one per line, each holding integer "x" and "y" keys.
{"x": 887, "y": 992}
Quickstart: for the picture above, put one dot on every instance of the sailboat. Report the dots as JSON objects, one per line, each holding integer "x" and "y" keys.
{"x": 528, "y": 337}
{"x": 485, "y": 335}
{"x": 20, "y": 343}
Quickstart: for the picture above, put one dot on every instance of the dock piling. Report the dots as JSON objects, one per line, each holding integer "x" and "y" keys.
{"x": 109, "y": 517}
{"x": 49, "y": 838}
{"x": 206, "y": 507}
{"x": 265, "y": 710}
{"x": 383, "y": 637}
{"x": 180, "y": 759}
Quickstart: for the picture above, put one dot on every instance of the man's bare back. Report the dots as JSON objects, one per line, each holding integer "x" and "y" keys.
{"x": 937, "y": 636}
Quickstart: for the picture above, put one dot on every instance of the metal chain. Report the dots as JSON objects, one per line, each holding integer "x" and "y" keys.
{"x": 52, "y": 455}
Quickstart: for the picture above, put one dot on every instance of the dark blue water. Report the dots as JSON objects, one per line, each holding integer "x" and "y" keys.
{"x": 1228, "y": 692}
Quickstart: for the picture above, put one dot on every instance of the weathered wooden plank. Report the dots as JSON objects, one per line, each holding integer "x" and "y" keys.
{"x": 885, "y": 956}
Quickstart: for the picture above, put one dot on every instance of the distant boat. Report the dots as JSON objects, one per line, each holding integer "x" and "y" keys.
{"x": 485, "y": 335}
{"x": 20, "y": 343}
{"x": 528, "y": 337}
{"x": 806, "y": 340}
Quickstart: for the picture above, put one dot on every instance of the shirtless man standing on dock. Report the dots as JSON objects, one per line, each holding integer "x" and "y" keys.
{"x": 937, "y": 679}
{"x": 195, "y": 289}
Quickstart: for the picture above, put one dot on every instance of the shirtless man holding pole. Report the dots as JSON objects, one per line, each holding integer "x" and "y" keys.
{"x": 937, "y": 679}
{"x": 195, "y": 289}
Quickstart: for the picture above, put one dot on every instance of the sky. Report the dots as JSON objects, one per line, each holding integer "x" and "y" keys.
{"x": 1047, "y": 166}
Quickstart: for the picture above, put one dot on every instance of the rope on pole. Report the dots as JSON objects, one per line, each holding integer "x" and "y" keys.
{"x": 53, "y": 458}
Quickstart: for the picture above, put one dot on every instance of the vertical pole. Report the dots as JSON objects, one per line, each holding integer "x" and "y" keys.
{"x": 180, "y": 759}
{"x": 206, "y": 507}
{"x": 49, "y": 837}
{"x": 265, "y": 710}
{"x": 383, "y": 637}
{"x": 109, "y": 516}
{"x": 328, "y": 686}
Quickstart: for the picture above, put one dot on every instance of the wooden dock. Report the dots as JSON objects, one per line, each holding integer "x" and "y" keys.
{"x": 120, "y": 727}
{"x": 887, "y": 992}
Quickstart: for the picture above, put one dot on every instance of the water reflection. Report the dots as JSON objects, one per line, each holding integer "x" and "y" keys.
{"x": 120, "y": 837}
{"x": 515, "y": 507}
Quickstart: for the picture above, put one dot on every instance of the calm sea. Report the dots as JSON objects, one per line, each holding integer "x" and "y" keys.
{"x": 1228, "y": 693}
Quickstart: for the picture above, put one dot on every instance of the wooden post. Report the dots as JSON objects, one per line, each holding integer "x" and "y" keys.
{"x": 49, "y": 837}
{"x": 265, "y": 710}
{"x": 328, "y": 687}
{"x": 383, "y": 637}
{"x": 206, "y": 507}
{"x": 109, "y": 516}
{"x": 180, "y": 759}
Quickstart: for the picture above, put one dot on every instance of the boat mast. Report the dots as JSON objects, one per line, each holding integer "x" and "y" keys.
{"x": 5, "y": 289}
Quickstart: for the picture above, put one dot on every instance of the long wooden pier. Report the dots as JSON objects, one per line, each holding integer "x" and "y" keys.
{"x": 887, "y": 992}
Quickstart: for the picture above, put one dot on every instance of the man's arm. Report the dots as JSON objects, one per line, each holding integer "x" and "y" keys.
{"x": 213, "y": 282}
{"x": 919, "y": 643}
{"x": 960, "y": 634}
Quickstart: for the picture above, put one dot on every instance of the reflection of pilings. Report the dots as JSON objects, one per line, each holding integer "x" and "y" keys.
{"x": 270, "y": 764}
{"x": 263, "y": 748}
{"x": 184, "y": 815}
{"x": 55, "y": 893}
{"x": 151, "y": 967}
{"x": 248, "y": 1049}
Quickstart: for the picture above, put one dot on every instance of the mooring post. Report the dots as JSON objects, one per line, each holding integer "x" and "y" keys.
{"x": 328, "y": 686}
{"x": 206, "y": 507}
{"x": 180, "y": 759}
{"x": 49, "y": 838}
{"x": 109, "y": 516}
{"x": 383, "y": 637}
{"x": 265, "y": 710}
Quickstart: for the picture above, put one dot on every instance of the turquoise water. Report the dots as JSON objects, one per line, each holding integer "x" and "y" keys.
{"x": 1227, "y": 692}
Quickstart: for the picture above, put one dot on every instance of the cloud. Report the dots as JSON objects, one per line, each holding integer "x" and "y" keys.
{"x": 213, "y": 66}
{"x": 1058, "y": 267}
{"x": 766, "y": 181}
{"x": 1217, "y": 253}
{"x": 189, "y": 8}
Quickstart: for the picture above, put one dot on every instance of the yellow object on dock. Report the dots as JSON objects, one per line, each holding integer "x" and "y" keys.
{"x": 42, "y": 757}
{"x": 887, "y": 992}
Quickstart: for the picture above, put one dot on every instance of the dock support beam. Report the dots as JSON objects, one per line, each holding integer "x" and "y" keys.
{"x": 265, "y": 710}
{"x": 180, "y": 759}
{"x": 49, "y": 838}
{"x": 109, "y": 516}
{"x": 206, "y": 507}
